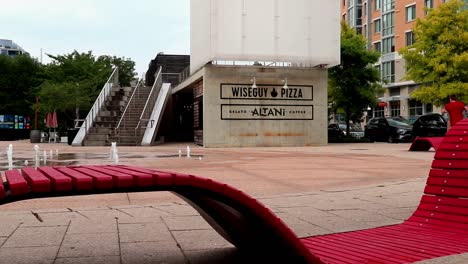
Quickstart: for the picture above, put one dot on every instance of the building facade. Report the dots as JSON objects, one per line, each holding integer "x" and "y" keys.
{"x": 387, "y": 26}
{"x": 10, "y": 48}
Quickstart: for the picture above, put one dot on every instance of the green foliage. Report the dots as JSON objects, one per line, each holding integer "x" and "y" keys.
{"x": 17, "y": 75}
{"x": 75, "y": 80}
{"x": 354, "y": 83}
{"x": 439, "y": 57}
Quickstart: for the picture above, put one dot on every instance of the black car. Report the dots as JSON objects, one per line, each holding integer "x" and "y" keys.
{"x": 390, "y": 129}
{"x": 430, "y": 125}
{"x": 335, "y": 133}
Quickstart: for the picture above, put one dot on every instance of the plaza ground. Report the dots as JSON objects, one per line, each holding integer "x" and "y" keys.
{"x": 315, "y": 190}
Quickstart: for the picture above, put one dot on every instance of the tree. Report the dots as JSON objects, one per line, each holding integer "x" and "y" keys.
{"x": 18, "y": 76}
{"x": 75, "y": 80}
{"x": 354, "y": 83}
{"x": 438, "y": 59}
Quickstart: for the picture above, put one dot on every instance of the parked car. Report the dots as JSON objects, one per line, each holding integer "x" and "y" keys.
{"x": 390, "y": 129}
{"x": 336, "y": 132}
{"x": 430, "y": 125}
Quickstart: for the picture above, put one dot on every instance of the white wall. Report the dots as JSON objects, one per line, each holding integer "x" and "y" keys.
{"x": 305, "y": 32}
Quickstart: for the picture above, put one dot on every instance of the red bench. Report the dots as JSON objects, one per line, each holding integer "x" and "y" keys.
{"x": 439, "y": 226}
{"x": 425, "y": 143}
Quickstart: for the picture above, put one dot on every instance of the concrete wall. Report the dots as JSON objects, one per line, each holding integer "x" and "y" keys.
{"x": 253, "y": 120}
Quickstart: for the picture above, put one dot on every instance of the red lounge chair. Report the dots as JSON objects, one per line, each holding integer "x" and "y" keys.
{"x": 425, "y": 143}
{"x": 438, "y": 227}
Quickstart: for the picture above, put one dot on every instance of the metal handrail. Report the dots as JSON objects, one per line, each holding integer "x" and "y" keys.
{"x": 96, "y": 108}
{"x": 149, "y": 105}
{"x": 130, "y": 103}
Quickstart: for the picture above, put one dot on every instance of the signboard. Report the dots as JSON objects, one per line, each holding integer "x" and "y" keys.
{"x": 266, "y": 112}
{"x": 267, "y": 92}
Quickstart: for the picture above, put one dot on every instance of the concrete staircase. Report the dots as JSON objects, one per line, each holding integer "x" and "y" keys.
{"x": 125, "y": 134}
{"x": 108, "y": 117}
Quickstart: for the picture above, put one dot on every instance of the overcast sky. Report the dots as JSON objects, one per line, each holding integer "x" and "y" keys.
{"x": 136, "y": 29}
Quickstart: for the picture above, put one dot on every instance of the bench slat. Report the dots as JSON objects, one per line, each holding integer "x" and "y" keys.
{"x": 448, "y": 173}
{"x": 438, "y": 200}
{"x": 81, "y": 182}
{"x": 445, "y": 154}
{"x": 141, "y": 179}
{"x": 39, "y": 182}
{"x": 448, "y": 181}
{"x": 121, "y": 180}
{"x": 450, "y": 164}
{"x": 444, "y": 223}
{"x": 442, "y": 216}
{"x": 160, "y": 178}
{"x": 443, "y": 208}
{"x": 453, "y": 146}
{"x": 60, "y": 182}
{"x": 101, "y": 181}
{"x": 446, "y": 191}
{"x": 17, "y": 183}
{"x": 458, "y": 132}
{"x": 456, "y": 139}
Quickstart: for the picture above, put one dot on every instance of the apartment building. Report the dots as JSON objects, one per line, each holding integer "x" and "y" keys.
{"x": 387, "y": 26}
{"x": 10, "y": 48}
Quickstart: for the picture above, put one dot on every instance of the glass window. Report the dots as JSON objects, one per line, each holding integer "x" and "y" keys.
{"x": 377, "y": 47}
{"x": 409, "y": 38}
{"x": 410, "y": 13}
{"x": 394, "y": 108}
{"x": 377, "y": 4}
{"x": 388, "y": 71}
{"x": 415, "y": 108}
{"x": 377, "y": 26}
{"x": 351, "y": 16}
{"x": 388, "y": 5}
{"x": 388, "y": 45}
{"x": 429, "y": 108}
{"x": 429, "y": 4}
{"x": 388, "y": 24}
{"x": 379, "y": 111}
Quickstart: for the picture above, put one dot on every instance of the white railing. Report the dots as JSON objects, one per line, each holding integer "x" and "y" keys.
{"x": 93, "y": 112}
{"x": 156, "y": 115}
{"x": 149, "y": 105}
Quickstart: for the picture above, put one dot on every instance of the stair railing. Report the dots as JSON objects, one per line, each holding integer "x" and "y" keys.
{"x": 149, "y": 105}
{"x": 94, "y": 111}
{"x": 132, "y": 103}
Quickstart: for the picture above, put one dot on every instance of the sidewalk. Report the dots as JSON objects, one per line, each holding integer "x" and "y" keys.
{"x": 315, "y": 190}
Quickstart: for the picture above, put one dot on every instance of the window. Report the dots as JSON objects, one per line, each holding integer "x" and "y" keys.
{"x": 344, "y": 2}
{"x": 394, "y": 108}
{"x": 410, "y": 13}
{"x": 379, "y": 111}
{"x": 378, "y": 47}
{"x": 409, "y": 38}
{"x": 388, "y": 71}
{"x": 388, "y": 24}
{"x": 388, "y": 45}
{"x": 429, "y": 108}
{"x": 351, "y": 16}
{"x": 388, "y": 5}
{"x": 377, "y": 4}
{"x": 429, "y": 4}
{"x": 377, "y": 26}
{"x": 415, "y": 108}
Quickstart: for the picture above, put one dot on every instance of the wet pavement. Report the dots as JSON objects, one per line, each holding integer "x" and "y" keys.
{"x": 315, "y": 190}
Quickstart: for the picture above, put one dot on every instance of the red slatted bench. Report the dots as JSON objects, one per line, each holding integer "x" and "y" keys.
{"x": 438, "y": 227}
{"x": 425, "y": 143}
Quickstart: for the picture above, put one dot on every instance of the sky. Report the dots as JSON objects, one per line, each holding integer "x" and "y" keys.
{"x": 137, "y": 29}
